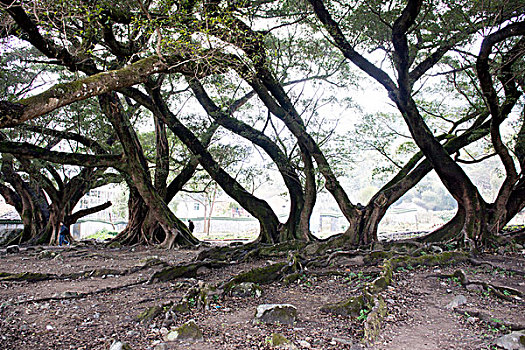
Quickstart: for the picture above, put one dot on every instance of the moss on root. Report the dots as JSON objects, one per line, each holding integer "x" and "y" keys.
{"x": 370, "y": 302}
{"x": 25, "y": 276}
{"x": 348, "y": 307}
{"x": 444, "y": 258}
{"x": 372, "y": 326}
{"x": 150, "y": 313}
{"x": 260, "y": 275}
{"x": 170, "y": 273}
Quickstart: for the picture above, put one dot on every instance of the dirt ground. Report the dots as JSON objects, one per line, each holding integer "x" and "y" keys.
{"x": 92, "y": 309}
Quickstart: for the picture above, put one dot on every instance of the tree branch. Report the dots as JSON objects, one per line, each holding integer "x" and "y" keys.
{"x": 71, "y": 219}
{"x": 27, "y": 150}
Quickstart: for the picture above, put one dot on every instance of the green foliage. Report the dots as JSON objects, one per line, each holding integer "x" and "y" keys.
{"x": 363, "y": 313}
{"x": 102, "y": 235}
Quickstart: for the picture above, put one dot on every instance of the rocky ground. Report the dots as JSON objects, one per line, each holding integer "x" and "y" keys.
{"x": 89, "y": 296}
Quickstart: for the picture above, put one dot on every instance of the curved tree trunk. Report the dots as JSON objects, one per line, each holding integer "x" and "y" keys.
{"x": 137, "y": 212}
{"x": 175, "y": 231}
{"x": 450, "y": 231}
{"x": 310, "y": 197}
{"x": 258, "y": 208}
{"x": 291, "y": 229}
{"x": 27, "y": 199}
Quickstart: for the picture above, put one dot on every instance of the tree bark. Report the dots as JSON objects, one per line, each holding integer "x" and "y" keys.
{"x": 176, "y": 233}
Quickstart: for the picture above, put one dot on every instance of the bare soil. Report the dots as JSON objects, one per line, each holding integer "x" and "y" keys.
{"x": 83, "y": 313}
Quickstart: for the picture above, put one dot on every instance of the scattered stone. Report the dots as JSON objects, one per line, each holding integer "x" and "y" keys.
{"x": 46, "y": 254}
{"x": 246, "y": 289}
{"x": 69, "y": 294}
{"x": 163, "y": 331}
{"x": 436, "y": 249}
{"x": 117, "y": 345}
{"x": 349, "y": 307}
{"x": 281, "y": 342}
{"x": 182, "y": 307}
{"x": 115, "y": 245}
{"x": 512, "y": 341}
{"x": 457, "y": 301}
{"x": 472, "y": 320}
{"x": 474, "y": 288}
{"x": 149, "y": 314}
{"x": 203, "y": 270}
{"x": 187, "y": 332}
{"x": 305, "y": 344}
{"x": 161, "y": 346}
{"x": 12, "y": 249}
{"x": 276, "y": 313}
{"x": 343, "y": 341}
{"x": 149, "y": 259}
{"x": 49, "y": 327}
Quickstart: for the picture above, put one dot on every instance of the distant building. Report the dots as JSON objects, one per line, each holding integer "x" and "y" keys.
{"x": 96, "y": 197}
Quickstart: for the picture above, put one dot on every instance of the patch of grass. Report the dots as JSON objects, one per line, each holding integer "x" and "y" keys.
{"x": 102, "y": 235}
{"x": 492, "y": 329}
{"x": 455, "y": 280}
{"x": 363, "y": 313}
{"x": 360, "y": 276}
{"x": 191, "y": 302}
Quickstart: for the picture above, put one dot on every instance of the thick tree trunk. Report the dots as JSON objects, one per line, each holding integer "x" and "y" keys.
{"x": 450, "y": 231}
{"x": 162, "y": 161}
{"x": 176, "y": 233}
{"x": 143, "y": 227}
{"x": 310, "y": 197}
{"x": 137, "y": 212}
{"x": 27, "y": 199}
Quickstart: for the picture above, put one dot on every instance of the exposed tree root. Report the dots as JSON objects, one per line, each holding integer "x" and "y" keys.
{"x": 476, "y": 262}
{"x": 503, "y": 292}
{"x": 267, "y": 274}
{"x": 251, "y": 251}
{"x": 199, "y": 296}
{"x": 485, "y": 317}
{"x": 80, "y": 295}
{"x": 186, "y": 270}
{"x": 370, "y": 303}
{"x": 26, "y": 276}
{"x": 372, "y": 325}
{"x": 37, "y": 277}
